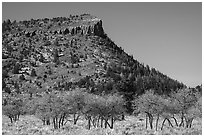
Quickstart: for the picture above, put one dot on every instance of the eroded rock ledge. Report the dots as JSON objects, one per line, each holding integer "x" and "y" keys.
{"x": 85, "y": 27}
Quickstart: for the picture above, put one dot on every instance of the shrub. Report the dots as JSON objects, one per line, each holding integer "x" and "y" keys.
{"x": 43, "y": 111}
{"x": 170, "y": 108}
{"x": 57, "y": 107}
{"x": 186, "y": 100}
{"x": 30, "y": 87}
{"x": 150, "y": 104}
{"x": 76, "y": 102}
{"x": 30, "y": 106}
{"x": 193, "y": 112}
{"x": 9, "y": 110}
{"x": 13, "y": 109}
{"x": 49, "y": 107}
{"x": 103, "y": 108}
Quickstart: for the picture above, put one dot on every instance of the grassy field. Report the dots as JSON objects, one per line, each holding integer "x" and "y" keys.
{"x": 30, "y": 125}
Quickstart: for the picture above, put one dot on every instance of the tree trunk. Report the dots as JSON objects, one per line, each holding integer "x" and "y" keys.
{"x": 182, "y": 120}
{"x": 93, "y": 122}
{"x": 15, "y": 118}
{"x": 76, "y": 118}
{"x": 11, "y": 119}
{"x": 53, "y": 120}
{"x": 43, "y": 121}
{"x": 123, "y": 117}
{"x": 101, "y": 122}
{"x": 157, "y": 121}
{"x": 112, "y": 121}
{"x": 150, "y": 120}
{"x": 59, "y": 123}
{"x": 170, "y": 122}
{"x": 175, "y": 120}
{"x": 48, "y": 121}
{"x": 163, "y": 123}
{"x": 56, "y": 123}
{"x": 98, "y": 121}
{"x": 89, "y": 122}
{"x": 106, "y": 123}
{"x": 63, "y": 117}
{"x": 189, "y": 122}
{"x": 146, "y": 120}
{"x": 18, "y": 116}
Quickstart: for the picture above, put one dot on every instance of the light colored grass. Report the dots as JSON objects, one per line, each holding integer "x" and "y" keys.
{"x": 30, "y": 125}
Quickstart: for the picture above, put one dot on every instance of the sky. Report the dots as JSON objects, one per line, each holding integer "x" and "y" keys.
{"x": 166, "y": 36}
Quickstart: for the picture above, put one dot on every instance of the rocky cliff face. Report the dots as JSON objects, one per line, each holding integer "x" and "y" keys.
{"x": 85, "y": 27}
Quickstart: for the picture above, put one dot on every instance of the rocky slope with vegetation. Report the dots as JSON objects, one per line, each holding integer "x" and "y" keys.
{"x": 47, "y": 61}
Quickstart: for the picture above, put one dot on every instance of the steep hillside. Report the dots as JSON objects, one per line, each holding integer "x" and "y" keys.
{"x": 62, "y": 54}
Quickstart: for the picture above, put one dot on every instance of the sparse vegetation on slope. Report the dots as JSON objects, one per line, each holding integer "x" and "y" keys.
{"x": 67, "y": 69}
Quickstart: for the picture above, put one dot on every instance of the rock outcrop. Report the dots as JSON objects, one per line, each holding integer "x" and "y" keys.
{"x": 85, "y": 27}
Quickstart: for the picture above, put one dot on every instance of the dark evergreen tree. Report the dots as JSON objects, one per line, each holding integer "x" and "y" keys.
{"x": 7, "y": 90}
{"x": 56, "y": 56}
{"x": 33, "y": 73}
{"x": 16, "y": 68}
